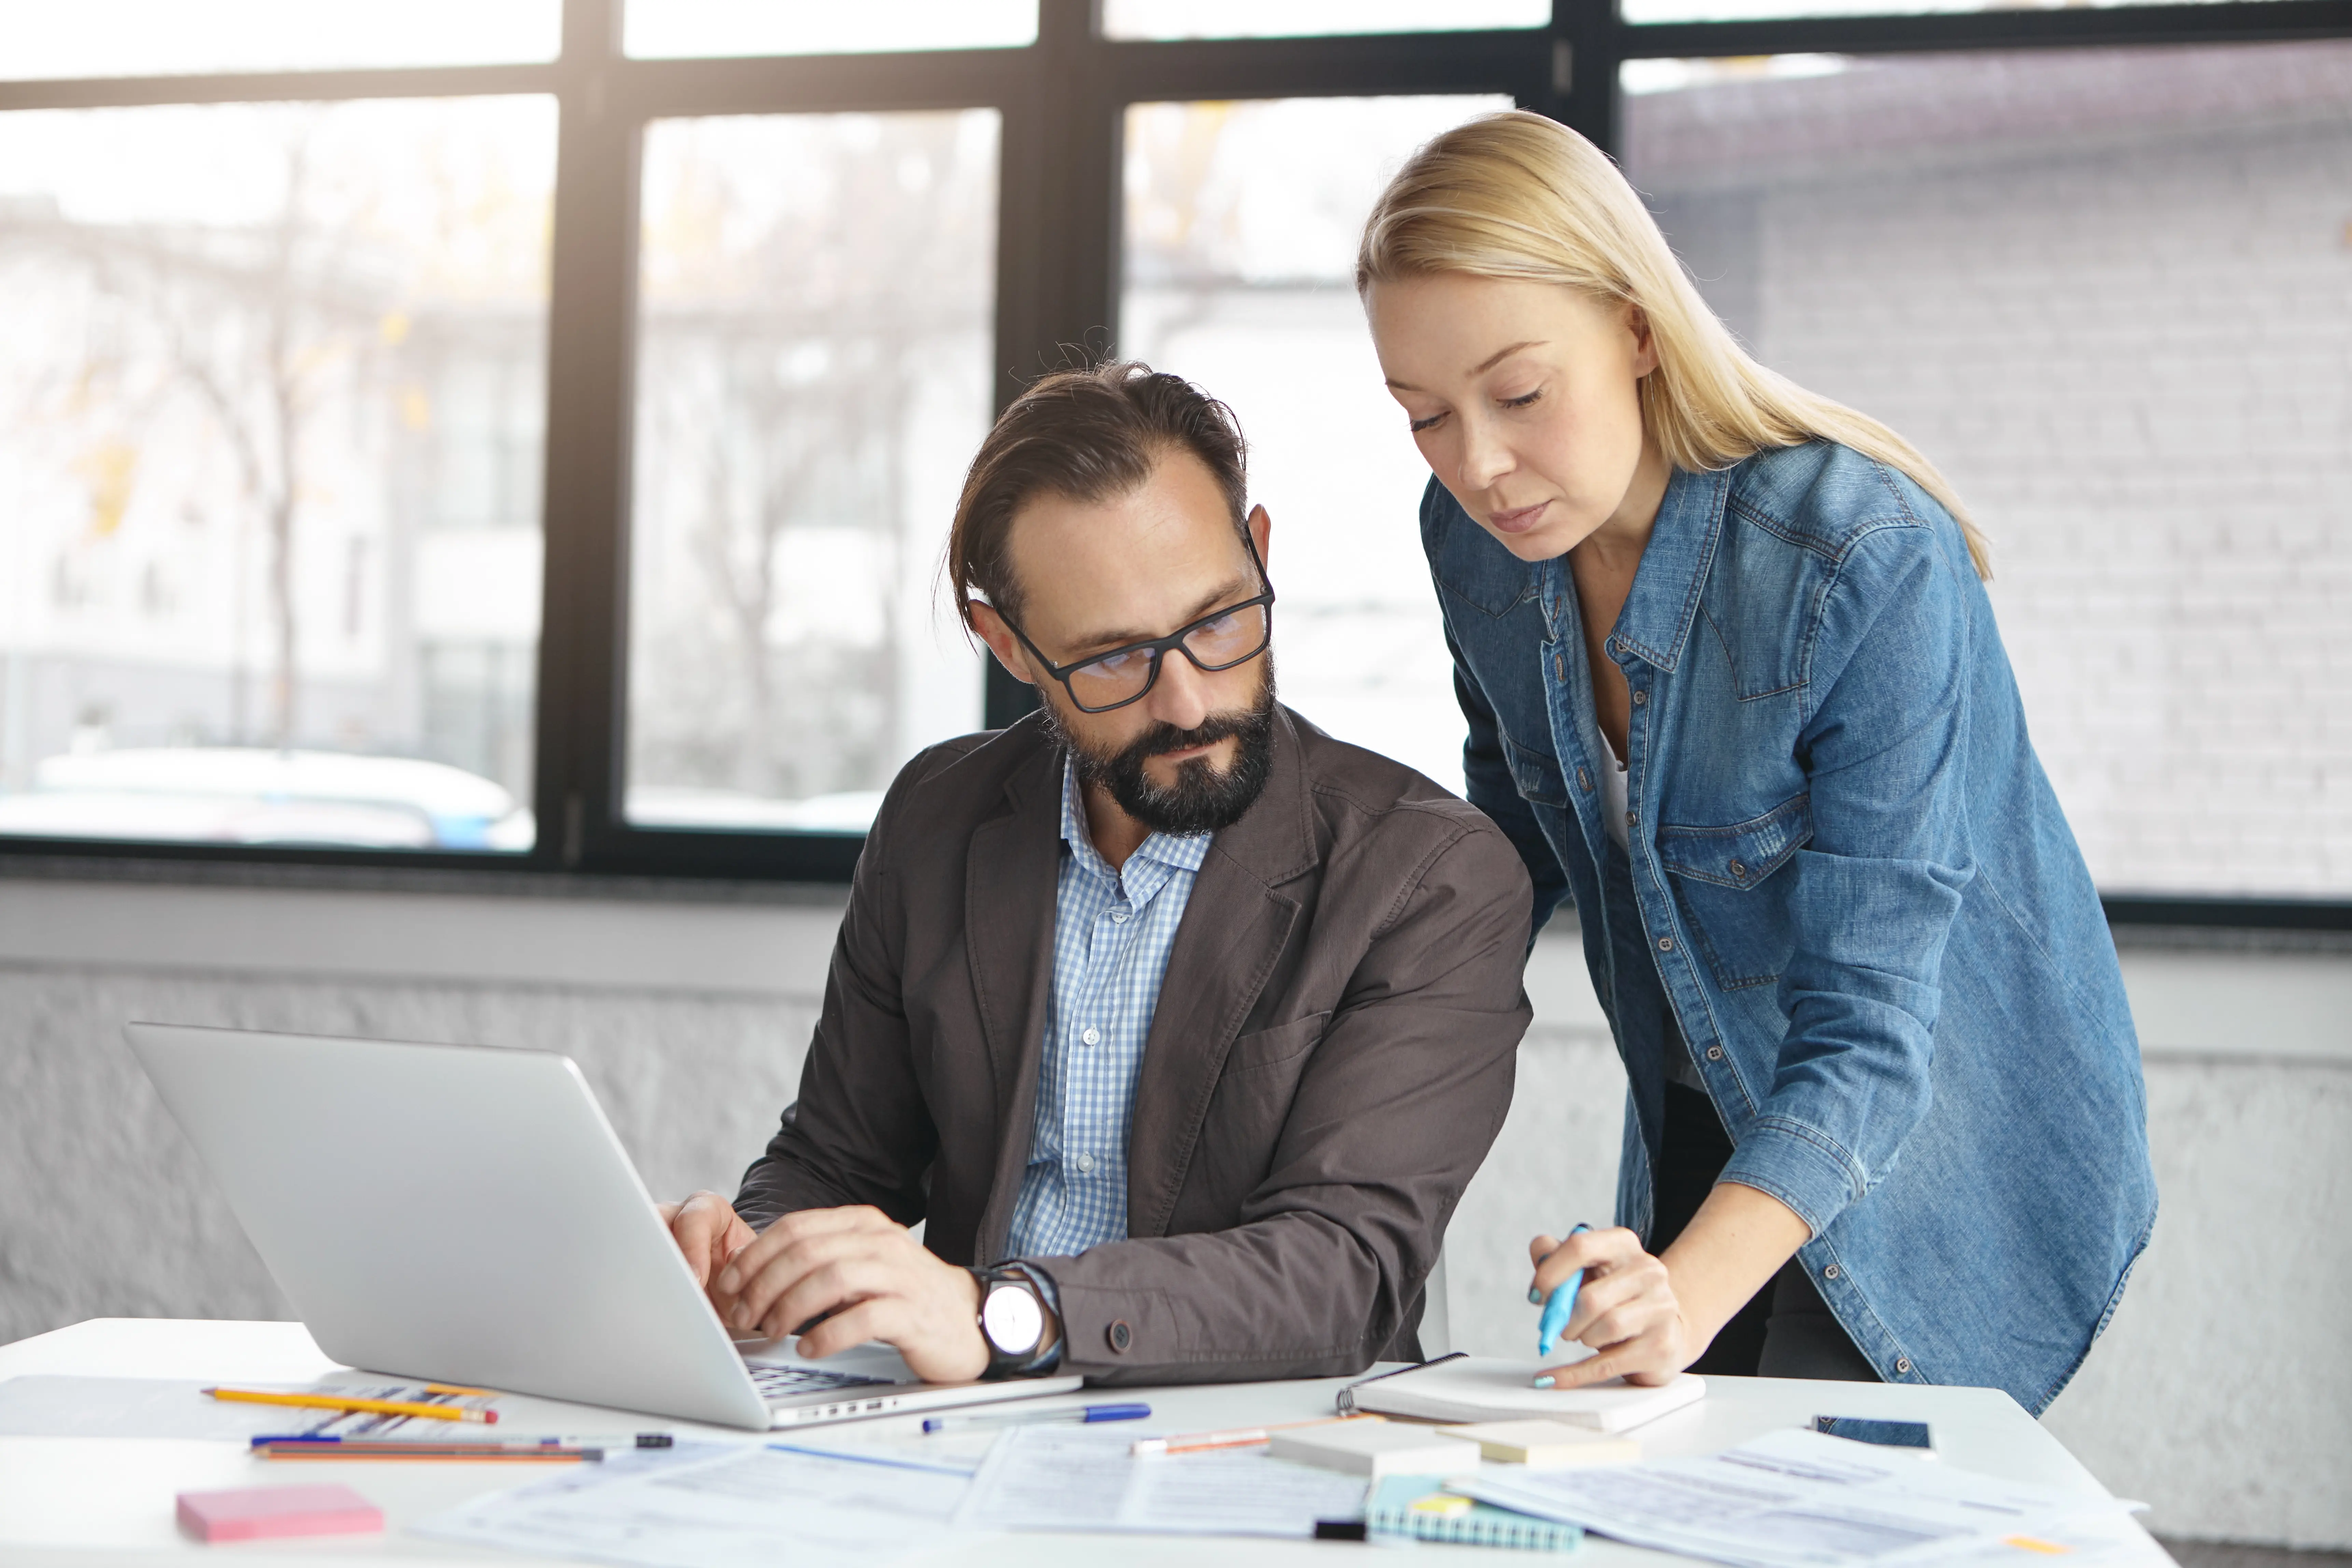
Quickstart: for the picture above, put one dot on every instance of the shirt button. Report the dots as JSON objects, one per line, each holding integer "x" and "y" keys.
{"x": 1903, "y": 1363}
{"x": 1715, "y": 1053}
{"x": 1118, "y": 917}
{"x": 1086, "y": 1164}
{"x": 1091, "y": 1037}
{"x": 1633, "y": 819}
{"x": 1640, "y": 698}
{"x": 1559, "y": 667}
{"x": 1832, "y": 1272}
{"x": 1666, "y": 944}
{"x": 1583, "y": 781}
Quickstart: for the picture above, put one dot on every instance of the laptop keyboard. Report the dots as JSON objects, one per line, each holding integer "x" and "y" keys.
{"x": 787, "y": 1382}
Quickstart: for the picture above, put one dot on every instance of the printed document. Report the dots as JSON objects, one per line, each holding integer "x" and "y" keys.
{"x": 1076, "y": 1478}
{"x": 1794, "y": 1499}
{"x": 719, "y": 1505}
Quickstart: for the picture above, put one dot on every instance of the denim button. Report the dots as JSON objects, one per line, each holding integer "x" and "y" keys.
{"x": 1903, "y": 1363}
{"x": 1830, "y": 1272}
{"x": 1640, "y": 698}
{"x": 1666, "y": 944}
{"x": 1715, "y": 1053}
{"x": 1558, "y": 667}
{"x": 1583, "y": 781}
{"x": 1739, "y": 870}
{"x": 1633, "y": 819}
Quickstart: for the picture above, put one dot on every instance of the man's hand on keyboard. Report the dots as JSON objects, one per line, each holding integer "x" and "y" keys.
{"x": 709, "y": 1231}
{"x": 847, "y": 1276}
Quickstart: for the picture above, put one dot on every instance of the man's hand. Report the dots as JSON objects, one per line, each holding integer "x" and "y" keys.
{"x": 1626, "y": 1309}
{"x": 847, "y": 1276}
{"x": 709, "y": 1231}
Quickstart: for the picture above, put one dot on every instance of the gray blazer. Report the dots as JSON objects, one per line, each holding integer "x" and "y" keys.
{"x": 1331, "y": 1059}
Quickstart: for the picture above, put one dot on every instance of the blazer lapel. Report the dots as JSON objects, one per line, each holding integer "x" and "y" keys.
{"x": 1234, "y": 930}
{"x": 1010, "y": 881}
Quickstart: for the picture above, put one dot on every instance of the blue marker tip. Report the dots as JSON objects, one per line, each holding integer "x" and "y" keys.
{"x": 1560, "y": 1308}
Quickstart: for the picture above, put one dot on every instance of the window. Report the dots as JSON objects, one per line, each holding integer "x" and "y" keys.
{"x": 2109, "y": 292}
{"x": 1242, "y": 222}
{"x": 813, "y": 306}
{"x": 378, "y": 488}
{"x": 274, "y": 377}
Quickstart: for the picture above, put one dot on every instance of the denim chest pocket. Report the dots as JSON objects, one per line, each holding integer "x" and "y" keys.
{"x": 1536, "y": 774}
{"x": 1733, "y": 884}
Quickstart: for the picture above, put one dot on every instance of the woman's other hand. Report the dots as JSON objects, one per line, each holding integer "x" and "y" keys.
{"x": 1626, "y": 1309}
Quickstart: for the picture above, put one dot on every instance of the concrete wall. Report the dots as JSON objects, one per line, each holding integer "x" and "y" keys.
{"x": 2223, "y": 1393}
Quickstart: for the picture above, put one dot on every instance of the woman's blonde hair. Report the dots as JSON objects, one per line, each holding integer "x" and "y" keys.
{"x": 1521, "y": 196}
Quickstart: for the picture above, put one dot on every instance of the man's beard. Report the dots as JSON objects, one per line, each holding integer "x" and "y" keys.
{"x": 1201, "y": 800}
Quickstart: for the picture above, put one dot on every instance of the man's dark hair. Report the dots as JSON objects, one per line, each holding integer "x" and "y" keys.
{"x": 1089, "y": 435}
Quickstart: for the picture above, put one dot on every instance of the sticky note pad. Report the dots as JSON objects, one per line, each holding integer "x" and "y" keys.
{"x": 1374, "y": 1449}
{"x": 1546, "y": 1444}
{"x": 257, "y": 1513}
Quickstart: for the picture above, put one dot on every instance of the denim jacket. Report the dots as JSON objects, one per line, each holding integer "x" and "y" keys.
{"x": 1853, "y": 887}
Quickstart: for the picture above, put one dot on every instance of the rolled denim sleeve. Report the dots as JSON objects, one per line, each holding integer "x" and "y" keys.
{"x": 1880, "y": 883}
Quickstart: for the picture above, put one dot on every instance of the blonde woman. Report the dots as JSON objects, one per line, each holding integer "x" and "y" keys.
{"x": 1734, "y": 685}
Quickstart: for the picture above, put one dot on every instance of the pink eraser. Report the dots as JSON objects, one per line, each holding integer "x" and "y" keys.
{"x": 254, "y": 1513}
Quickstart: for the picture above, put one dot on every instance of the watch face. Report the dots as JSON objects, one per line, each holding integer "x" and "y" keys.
{"x": 1012, "y": 1319}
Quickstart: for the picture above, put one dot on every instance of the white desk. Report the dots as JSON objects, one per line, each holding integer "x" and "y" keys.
{"x": 90, "y": 1500}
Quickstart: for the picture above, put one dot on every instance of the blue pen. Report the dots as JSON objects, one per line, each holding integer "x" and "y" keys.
{"x": 1557, "y": 1312}
{"x": 1082, "y": 1414}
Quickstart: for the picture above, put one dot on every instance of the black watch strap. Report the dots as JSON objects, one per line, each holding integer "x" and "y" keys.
{"x": 1045, "y": 1356}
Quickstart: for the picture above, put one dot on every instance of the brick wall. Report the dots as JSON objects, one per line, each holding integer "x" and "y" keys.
{"x": 2110, "y": 292}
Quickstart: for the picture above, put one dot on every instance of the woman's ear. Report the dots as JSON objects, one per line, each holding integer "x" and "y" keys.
{"x": 1645, "y": 346}
{"x": 992, "y": 630}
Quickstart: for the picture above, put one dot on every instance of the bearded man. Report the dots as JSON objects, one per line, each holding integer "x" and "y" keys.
{"x": 1180, "y": 1025}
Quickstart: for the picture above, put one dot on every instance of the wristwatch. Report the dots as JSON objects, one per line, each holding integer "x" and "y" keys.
{"x": 1012, "y": 1322}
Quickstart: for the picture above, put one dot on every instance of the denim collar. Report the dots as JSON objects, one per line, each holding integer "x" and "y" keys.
{"x": 1664, "y": 605}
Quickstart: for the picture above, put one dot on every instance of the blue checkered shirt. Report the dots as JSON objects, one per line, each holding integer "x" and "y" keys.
{"x": 1112, "y": 934}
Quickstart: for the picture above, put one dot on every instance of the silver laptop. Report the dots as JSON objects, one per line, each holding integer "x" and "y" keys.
{"x": 465, "y": 1214}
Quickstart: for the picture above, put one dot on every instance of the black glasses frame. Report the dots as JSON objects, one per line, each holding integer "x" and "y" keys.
{"x": 1159, "y": 647}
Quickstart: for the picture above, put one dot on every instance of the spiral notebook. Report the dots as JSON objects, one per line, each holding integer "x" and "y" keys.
{"x": 1466, "y": 1388}
{"x": 1391, "y": 1511}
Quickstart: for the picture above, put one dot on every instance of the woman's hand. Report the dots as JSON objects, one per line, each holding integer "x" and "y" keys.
{"x": 1626, "y": 1309}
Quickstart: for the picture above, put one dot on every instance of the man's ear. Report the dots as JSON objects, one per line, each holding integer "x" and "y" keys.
{"x": 1000, "y": 642}
{"x": 1261, "y": 529}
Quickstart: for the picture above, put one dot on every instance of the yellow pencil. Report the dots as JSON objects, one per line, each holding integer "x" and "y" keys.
{"x": 352, "y": 1401}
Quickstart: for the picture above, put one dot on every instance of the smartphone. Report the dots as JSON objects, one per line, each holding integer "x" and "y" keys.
{"x": 1889, "y": 1434}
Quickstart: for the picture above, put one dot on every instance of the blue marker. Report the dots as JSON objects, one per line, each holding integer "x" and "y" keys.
{"x": 1559, "y": 1309}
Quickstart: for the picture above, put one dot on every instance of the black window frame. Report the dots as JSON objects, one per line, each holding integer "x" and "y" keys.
{"x": 1062, "y": 100}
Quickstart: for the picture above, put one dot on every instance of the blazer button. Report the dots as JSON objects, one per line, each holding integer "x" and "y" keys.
{"x": 1120, "y": 1335}
{"x": 1903, "y": 1363}
{"x": 1830, "y": 1272}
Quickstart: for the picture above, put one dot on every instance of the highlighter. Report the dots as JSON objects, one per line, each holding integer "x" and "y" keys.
{"x": 1559, "y": 1309}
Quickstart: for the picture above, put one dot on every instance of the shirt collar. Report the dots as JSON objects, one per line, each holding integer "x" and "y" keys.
{"x": 1176, "y": 851}
{"x": 1663, "y": 604}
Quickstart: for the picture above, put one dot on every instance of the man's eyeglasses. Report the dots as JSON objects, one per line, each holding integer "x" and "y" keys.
{"x": 1218, "y": 640}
